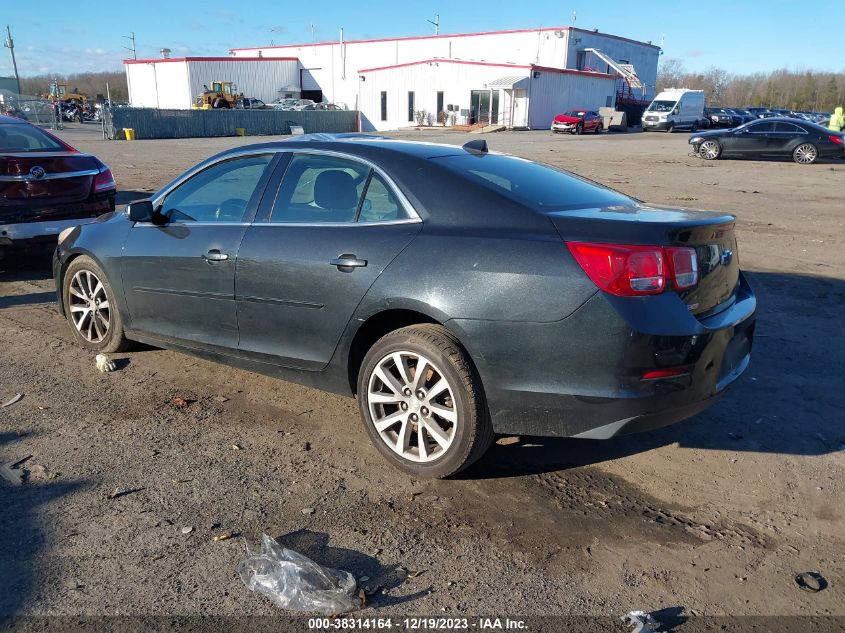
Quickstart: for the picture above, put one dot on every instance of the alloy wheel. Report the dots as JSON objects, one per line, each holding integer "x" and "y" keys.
{"x": 412, "y": 406}
{"x": 805, "y": 154}
{"x": 89, "y": 306}
{"x": 709, "y": 150}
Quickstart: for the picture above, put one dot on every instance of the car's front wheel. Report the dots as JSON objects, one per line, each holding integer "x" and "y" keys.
{"x": 579, "y": 128}
{"x": 805, "y": 154}
{"x": 90, "y": 308}
{"x": 422, "y": 402}
{"x": 710, "y": 150}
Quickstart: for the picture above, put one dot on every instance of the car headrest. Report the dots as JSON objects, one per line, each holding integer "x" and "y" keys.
{"x": 335, "y": 189}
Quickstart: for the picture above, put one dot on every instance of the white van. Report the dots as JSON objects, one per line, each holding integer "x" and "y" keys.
{"x": 675, "y": 108}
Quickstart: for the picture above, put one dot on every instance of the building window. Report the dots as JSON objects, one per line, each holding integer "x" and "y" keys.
{"x": 411, "y": 106}
{"x": 439, "y": 101}
{"x": 384, "y": 106}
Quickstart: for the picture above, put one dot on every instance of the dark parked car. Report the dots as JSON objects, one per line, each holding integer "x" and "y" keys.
{"x": 722, "y": 117}
{"x": 250, "y": 103}
{"x": 803, "y": 141}
{"x": 577, "y": 121}
{"x": 761, "y": 113}
{"x": 744, "y": 115}
{"x": 46, "y": 185}
{"x": 457, "y": 292}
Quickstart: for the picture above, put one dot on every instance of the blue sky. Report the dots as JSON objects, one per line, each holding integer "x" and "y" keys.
{"x": 739, "y": 36}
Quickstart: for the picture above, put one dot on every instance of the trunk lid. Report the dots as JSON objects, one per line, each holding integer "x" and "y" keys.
{"x": 712, "y": 236}
{"x": 36, "y": 183}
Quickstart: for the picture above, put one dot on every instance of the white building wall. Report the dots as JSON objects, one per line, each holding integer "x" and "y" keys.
{"x": 156, "y": 85}
{"x": 335, "y": 67}
{"x": 555, "y": 92}
{"x": 455, "y": 80}
{"x": 175, "y": 83}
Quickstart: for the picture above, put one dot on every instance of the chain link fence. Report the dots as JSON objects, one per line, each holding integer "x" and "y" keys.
{"x": 30, "y": 108}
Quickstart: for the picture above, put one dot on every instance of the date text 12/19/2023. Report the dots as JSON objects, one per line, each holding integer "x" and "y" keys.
{"x": 416, "y": 624}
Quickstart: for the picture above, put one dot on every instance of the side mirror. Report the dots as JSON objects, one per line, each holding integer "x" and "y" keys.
{"x": 143, "y": 211}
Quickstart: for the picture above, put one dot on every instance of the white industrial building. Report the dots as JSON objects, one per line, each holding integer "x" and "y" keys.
{"x": 174, "y": 83}
{"x": 517, "y": 78}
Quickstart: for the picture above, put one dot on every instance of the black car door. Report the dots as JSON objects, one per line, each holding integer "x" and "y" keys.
{"x": 784, "y": 137}
{"x": 753, "y": 138}
{"x": 309, "y": 258}
{"x": 179, "y": 277}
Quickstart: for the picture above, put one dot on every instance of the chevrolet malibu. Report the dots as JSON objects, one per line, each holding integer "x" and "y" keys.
{"x": 455, "y": 291}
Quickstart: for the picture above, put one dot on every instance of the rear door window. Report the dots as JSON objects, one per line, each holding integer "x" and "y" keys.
{"x": 764, "y": 127}
{"x": 788, "y": 128}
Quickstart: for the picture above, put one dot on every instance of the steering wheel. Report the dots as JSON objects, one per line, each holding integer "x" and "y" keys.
{"x": 232, "y": 209}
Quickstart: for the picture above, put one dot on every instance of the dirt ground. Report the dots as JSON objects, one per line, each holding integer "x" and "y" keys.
{"x": 714, "y": 516}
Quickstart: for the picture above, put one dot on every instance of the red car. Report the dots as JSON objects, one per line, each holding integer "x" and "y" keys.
{"x": 46, "y": 185}
{"x": 577, "y": 121}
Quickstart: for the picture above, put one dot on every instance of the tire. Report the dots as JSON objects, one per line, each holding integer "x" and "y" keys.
{"x": 599, "y": 128}
{"x": 694, "y": 127}
{"x": 670, "y": 128}
{"x": 710, "y": 150}
{"x": 805, "y": 154}
{"x": 101, "y": 331}
{"x": 469, "y": 432}
{"x": 579, "y": 128}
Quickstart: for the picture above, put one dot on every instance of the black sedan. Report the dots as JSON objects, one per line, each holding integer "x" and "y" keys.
{"x": 46, "y": 185}
{"x": 803, "y": 141}
{"x": 722, "y": 117}
{"x": 457, "y": 292}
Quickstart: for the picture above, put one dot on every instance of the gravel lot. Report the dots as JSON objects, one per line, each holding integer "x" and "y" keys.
{"x": 713, "y": 516}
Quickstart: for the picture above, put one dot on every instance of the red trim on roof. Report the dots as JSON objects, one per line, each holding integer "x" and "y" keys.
{"x": 211, "y": 59}
{"x": 572, "y": 71}
{"x": 431, "y": 37}
{"x": 405, "y": 38}
{"x": 445, "y": 61}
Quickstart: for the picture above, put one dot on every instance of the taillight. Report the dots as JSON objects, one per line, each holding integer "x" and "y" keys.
{"x": 630, "y": 270}
{"x": 684, "y": 266}
{"x": 672, "y": 372}
{"x": 836, "y": 139}
{"x": 104, "y": 181}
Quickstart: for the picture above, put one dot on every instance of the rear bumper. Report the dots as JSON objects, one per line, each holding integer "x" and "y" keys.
{"x": 582, "y": 376}
{"x": 12, "y": 234}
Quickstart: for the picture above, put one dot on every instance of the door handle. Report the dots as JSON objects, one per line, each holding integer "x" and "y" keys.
{"x": 346, "y": 263}
{"x": 215, "y": 256}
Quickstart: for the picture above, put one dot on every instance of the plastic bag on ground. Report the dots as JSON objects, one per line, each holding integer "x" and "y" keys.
{"x": 293, "y": 581}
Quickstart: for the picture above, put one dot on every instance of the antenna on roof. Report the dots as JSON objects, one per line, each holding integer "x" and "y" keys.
{"x": 477, "y": 146}
{"x": 436, "y": 23}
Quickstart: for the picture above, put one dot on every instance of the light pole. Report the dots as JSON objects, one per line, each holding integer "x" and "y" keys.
{"x": 10, "y": 44}
{"x": 131, "y": 37}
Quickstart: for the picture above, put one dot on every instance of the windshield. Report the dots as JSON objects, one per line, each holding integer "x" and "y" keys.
{"x": 541, "y": 187}
{"x": 661, "y": 106}
{"x": 575, "y": 113}
{"x": 16, "y": 137}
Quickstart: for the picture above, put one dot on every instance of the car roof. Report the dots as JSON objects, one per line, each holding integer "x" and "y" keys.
{"x": 355, "y": 144}
{"x": 11, "y": 119}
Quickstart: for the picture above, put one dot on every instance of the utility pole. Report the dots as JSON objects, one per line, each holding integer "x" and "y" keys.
{"x": 10, "y": 44}
{"x": 313, "y": 34}
{"x": 131, "y": 37}
{"x": 436, "y": 23}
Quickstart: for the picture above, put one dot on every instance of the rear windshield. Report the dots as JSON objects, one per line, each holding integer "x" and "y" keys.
{"x": 541, "y": 187}
{"x": 21, "y": 137}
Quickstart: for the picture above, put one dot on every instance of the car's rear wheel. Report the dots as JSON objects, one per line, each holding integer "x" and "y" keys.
{"x": 422, "y": 402}
{"x": 599, "y": 128}
{"x": 90, "y": 308}
{"x": 805, "y": 154}
{"x": 710, "y": 150}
